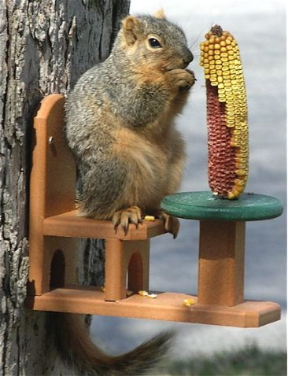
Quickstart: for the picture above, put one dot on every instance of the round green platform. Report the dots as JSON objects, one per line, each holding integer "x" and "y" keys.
{"x": 203, "y": 205}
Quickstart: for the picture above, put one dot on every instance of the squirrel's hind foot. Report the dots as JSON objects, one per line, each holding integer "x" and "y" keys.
{"x": 125, "y": 217}
{"x": 171, "y": 224}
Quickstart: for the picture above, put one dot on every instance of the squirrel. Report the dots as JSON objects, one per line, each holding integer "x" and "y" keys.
{"x": 120, "y": 127}
{"x": 120, "y": 123}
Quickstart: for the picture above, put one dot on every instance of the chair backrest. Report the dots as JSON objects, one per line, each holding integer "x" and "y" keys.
{"x": 53, "y": 173}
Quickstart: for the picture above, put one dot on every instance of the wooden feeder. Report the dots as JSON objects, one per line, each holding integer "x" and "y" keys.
{"x": 55, "y": 226}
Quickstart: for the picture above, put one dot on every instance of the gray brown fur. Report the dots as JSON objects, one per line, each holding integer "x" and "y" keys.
{"x": 88, "y": 359}
{"x": 120, "y": 122}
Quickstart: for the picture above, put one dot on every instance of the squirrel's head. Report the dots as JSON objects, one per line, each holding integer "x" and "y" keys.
{"x": 154, "y": 42}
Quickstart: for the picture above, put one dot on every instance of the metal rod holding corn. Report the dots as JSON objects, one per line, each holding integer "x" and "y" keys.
{"x": 228, "y": 144}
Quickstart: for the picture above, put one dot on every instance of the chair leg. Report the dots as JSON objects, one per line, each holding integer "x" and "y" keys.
{"x": 138, "y": 268}
{"x": 122, "y": 257}
{"x": 115, "y": 271}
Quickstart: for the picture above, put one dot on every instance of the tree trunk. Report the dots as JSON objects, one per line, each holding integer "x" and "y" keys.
{"x": 44, "y": 47}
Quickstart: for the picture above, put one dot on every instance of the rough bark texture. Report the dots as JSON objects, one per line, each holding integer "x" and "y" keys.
{"x": 44, "y": 47}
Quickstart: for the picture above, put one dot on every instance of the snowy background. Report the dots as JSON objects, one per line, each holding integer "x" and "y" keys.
{"x": 259, "y": 27}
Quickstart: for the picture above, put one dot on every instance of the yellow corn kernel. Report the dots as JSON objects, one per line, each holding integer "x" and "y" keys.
{"x": 240, "y": 172}
{"x": 149, "y": 218}
{"x": 147, "y": 294}
{"x": 188, "y": 302}
{"x": 143, "y": 293}
{"x": 239, "y": 182}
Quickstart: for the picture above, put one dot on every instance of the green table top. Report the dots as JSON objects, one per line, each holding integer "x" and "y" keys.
{"x": 203, "y": 205}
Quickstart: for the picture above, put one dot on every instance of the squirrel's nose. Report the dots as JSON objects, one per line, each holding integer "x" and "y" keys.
{"x": 188, "y": 58}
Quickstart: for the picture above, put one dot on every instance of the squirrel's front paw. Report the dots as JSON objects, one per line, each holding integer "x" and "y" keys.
{"x": 182, "y": 79}
{"x": 125, "y": 217}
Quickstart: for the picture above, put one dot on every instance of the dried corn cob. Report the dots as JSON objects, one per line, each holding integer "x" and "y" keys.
{"x": 228, "y": 149}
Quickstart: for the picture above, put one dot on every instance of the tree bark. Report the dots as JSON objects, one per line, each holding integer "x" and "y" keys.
{"x": 44, "y": 47}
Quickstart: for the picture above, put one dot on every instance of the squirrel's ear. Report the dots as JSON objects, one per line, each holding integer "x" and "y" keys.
{"x": 132, "y": 28}
{"x": 160, "y": 14}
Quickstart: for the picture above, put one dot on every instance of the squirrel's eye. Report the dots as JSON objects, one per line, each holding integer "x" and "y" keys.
{"x": 154, "y": 43}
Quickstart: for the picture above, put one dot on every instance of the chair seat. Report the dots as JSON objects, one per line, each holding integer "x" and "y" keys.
{"x": 69, "y": 224}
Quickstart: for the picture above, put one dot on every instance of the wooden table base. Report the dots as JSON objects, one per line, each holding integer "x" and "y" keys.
{"x": 166, "y": 306}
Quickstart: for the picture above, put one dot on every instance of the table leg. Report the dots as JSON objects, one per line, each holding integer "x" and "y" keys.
{"x": 221, "y": 263}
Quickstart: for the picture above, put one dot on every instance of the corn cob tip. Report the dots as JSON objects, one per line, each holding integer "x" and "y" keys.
{"x": 217, "y": 30}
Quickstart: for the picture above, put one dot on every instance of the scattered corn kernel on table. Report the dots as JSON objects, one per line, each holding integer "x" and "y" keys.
{"x": 222, "y": 239}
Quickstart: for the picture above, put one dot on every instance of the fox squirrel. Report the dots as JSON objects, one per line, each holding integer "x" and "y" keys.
{"x": 120, "y": 123}
{"x": 120, "y": 126}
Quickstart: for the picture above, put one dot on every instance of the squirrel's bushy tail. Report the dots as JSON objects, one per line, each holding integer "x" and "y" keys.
{"x": 76, "y": 349}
